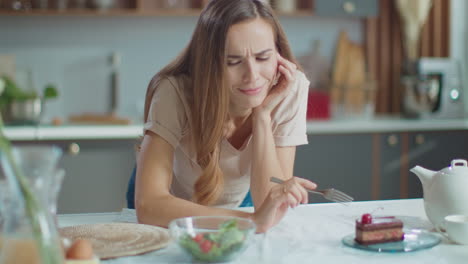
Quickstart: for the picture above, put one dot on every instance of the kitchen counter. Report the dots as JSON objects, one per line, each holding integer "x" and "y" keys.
{"x": 380, "y": 125}
{"x": 384, "y": 125}
{"x": 24, "y": 133}
{"x": 309, "y": 233}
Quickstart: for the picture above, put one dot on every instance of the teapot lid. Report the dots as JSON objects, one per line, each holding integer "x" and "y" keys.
{"x": 457, "y": 166}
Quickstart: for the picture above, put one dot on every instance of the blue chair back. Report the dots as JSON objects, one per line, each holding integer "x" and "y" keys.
{"x": 247, "y": 202}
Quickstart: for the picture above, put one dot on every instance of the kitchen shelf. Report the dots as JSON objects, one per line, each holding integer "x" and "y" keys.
{"x": 143, "y": 8}
{"x": 131, "y": 12}
{"x": 111, "y": 12}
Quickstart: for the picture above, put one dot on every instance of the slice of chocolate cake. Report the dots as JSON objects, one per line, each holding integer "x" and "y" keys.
{"x": 376, "y": 230}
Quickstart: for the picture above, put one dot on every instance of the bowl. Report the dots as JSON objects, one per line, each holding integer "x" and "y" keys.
{"x": 212, "y": 238}
{"x": 23, "y": 112}
{"x": 456, "y": 227}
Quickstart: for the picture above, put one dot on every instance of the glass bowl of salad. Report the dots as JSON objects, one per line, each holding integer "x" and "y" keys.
{"x": 212, "y": 238}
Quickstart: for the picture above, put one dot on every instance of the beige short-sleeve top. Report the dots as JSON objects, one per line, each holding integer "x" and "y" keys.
{"x": 169, "y": 118}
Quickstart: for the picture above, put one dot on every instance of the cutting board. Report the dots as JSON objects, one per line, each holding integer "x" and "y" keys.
{"x": 340, "y": 68}
{"x": 356, "y": 78}
{"x": 102, "y": 119}
{"x": 349, "y": 75}
{"x": 7, "y": 65}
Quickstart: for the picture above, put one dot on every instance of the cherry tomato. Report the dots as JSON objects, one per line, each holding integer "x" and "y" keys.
{"x": 198, "y": 238}
{"x": 206, "y": 246}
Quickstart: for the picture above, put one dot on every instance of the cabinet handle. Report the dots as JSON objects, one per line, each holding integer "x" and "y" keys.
{"x": 420, "y": 139}
{"x": 392, "y": 140}
{"x": 349, "y": 7}
{"x": 73, "y": 149}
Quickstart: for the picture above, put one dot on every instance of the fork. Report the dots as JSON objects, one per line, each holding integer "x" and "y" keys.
{"x": 329, "y": 194}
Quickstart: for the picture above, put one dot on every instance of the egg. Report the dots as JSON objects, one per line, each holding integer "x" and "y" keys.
{"x": 80, "y": 249}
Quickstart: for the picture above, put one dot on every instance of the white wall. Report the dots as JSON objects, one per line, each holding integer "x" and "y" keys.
{"x": 73, "y": 52}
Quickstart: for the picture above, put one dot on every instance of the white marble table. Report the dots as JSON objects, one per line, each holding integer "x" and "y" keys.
{"x": 311, "y": 234}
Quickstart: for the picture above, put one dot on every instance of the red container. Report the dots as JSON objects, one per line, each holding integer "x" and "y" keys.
{"x": 318, "y": 105}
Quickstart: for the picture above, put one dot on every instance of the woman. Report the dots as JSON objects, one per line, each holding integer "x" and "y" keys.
{"x": 223, "y": 117}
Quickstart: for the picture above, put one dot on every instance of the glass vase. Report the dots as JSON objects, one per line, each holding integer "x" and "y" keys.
{"x": 29, "y": 232}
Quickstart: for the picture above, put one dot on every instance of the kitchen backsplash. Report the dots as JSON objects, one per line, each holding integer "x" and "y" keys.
{"x": 74, "y": 53}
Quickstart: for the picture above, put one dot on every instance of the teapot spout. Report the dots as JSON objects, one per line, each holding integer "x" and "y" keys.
{"x": 424, "y": 175}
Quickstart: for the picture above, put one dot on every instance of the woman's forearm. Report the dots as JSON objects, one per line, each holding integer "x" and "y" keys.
{"x": 164, "y": 209}
{"x": 265, "y": 162}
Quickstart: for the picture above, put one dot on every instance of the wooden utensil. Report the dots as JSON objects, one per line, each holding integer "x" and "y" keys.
{"x": 339, "y": 69}
{"x": 91, "y": 118}
{"x": 414, "y": 14}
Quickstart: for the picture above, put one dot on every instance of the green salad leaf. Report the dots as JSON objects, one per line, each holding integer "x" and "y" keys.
{"x": 215, "y": 246}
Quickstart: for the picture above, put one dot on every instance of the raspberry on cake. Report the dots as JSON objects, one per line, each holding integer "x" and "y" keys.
{"x": 374, "y": 230}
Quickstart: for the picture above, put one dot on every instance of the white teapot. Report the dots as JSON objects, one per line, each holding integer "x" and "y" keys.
{"x": 445, "y": 192}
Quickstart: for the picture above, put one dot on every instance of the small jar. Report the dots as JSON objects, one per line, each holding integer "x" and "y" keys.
{"x": 285, "y": 5}
{"x": 80, "y": 4}
{"x": 103, "y": 4}
{"x": 41, "y": 4}
{"x": 61, "y": 4}
{"x": 18, "y": 5}
{"x": 176, "y": 4}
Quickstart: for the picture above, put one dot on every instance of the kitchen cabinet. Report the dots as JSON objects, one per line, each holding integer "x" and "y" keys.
{"x": 97, "y": 173}
{"x": 343, "y": 162}
{"x": 387, "y": 162}
{"x": 131, "y": 8}
{"x": 434, "y": 151}
{"x": 349, "y": 8}
{"x": 398, "y": 152}
{"x": 368, "y": 160}
{"x": 375, "y": 166}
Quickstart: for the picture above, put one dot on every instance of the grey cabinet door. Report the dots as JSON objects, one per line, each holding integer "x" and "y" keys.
{"x": 389, "y": 166}
{"x": 434, "y": 151}
{"x": 96, "y": 178}
{"x": 342, "y": 161}
{"x": 352, "y": 8}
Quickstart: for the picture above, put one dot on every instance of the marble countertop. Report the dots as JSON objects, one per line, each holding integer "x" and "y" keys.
{"x": 309, "y": 234}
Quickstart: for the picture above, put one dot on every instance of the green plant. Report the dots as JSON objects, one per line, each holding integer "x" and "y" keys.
{"x": 12, "y": 92}
{"x": 50, "y": 92}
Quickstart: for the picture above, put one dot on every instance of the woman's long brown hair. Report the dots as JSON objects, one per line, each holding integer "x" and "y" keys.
{"x": 207, "y": 93}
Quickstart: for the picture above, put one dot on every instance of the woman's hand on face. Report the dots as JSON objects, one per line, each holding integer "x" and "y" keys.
{"x": 287, "y": 72}
{"x": 291, "y": 193}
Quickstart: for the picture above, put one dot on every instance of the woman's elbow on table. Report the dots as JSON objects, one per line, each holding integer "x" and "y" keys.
{"x": 149, "y": 211}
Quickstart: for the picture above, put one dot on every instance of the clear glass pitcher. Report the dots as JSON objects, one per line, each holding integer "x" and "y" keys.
{"x": 18, "y": 242}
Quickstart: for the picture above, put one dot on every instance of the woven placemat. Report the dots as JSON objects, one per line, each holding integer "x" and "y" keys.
{"x": 112, "y": 240}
